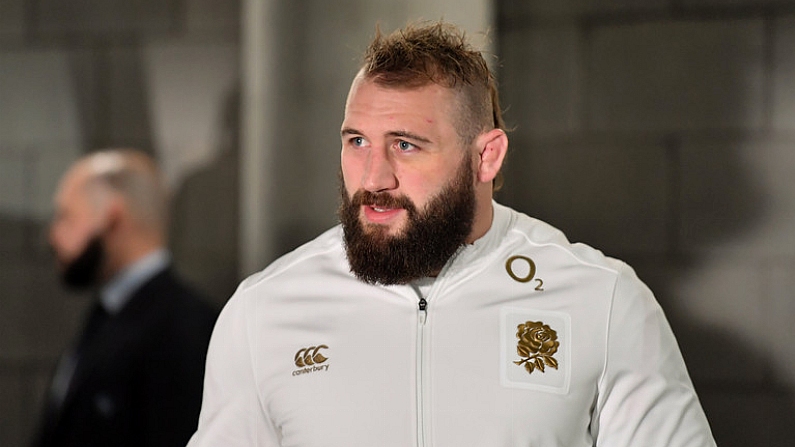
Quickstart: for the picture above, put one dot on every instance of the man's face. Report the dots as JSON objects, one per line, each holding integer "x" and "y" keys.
{"x": 75, "y": 232}
{"x": 408, "y": 185}
{"x": 401, "y": 142}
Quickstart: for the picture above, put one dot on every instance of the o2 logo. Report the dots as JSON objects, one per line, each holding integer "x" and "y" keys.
{"x": 526, "y": 268}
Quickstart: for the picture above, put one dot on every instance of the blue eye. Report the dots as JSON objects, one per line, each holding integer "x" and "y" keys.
{"x": 357, "y": 141}
{"x": 405, "y": 145}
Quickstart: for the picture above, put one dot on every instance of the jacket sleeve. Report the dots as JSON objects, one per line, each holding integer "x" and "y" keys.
{"x": 232, "y": 414}
{"x": 646, "y": 397}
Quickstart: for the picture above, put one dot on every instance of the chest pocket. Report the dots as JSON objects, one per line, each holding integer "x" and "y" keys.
{"x": 535, "y": 350}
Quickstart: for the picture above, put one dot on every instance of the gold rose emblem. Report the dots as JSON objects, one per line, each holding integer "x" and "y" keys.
{"x": 537, "y": 345}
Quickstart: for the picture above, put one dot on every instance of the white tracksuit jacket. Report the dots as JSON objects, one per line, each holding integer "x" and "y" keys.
{"x": 524, "y": 339}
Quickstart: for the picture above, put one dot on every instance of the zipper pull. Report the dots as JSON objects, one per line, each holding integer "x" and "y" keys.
{"x": 423, "y": 313}
{"x": 423, "y": 304}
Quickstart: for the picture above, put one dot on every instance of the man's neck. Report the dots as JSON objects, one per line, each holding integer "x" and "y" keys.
{"x": 484, "y": 215}
{"x": 116, "y": 292}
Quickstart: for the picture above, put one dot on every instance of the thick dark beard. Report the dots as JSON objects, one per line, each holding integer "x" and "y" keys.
{"x": 423, "y": 247}
{"x": 84, "y": 271}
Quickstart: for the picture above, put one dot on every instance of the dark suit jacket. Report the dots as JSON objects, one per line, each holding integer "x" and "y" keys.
{"x": 139, "y": 382}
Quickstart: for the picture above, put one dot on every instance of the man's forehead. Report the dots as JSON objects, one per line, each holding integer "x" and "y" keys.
{"x": 370, "y": 94}
{"x": 73, "y": 184}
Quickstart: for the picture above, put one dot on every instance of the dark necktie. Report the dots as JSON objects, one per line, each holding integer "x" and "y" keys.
{"x": 96, "y": 319}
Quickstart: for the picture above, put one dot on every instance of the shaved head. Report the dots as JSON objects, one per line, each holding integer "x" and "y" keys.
{"x": 111, "y": 209}
{"x": 133, "y": 175}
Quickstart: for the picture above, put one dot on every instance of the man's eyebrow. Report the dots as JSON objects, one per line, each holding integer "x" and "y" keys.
{"x": 349, "y": 131}
{"x": 405, "y": 134}
{"x": 395, "y": 133}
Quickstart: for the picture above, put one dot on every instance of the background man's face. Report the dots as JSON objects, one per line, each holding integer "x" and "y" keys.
{"x": 76, "y": 221}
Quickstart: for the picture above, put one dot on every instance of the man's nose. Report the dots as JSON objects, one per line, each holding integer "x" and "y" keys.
{"x": 379, "y": 173}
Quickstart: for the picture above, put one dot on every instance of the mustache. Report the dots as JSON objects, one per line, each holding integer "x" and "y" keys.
{"x": 382, "y": 199}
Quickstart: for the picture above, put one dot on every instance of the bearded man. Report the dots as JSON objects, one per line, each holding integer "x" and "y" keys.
{"x": 433, "y": 316}
{"x": 134, "y": 375}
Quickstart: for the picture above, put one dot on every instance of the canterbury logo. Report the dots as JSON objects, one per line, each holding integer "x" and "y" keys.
{"x": 310, "y": 356}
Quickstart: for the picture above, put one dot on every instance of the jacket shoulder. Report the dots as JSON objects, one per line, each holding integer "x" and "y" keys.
{"x": 528, "y": 230}
{"x": 323, "y": 251}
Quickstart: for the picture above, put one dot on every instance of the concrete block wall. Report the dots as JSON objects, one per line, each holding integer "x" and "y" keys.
{"x": 661, "y": 132}
{"x": 77, "y": 76}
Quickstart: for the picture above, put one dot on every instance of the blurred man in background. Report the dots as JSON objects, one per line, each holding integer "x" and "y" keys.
{"x": 134, "y": 375}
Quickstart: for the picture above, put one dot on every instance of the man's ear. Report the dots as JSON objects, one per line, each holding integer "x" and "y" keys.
{"x": 115, "y": 213}
{"x": 492, "y": 147}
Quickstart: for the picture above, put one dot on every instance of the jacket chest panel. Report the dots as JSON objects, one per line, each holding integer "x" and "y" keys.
{"x": 342, "y": 360}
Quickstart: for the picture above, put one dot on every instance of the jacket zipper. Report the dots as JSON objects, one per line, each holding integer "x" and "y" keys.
{"x": 421, "y": 318}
